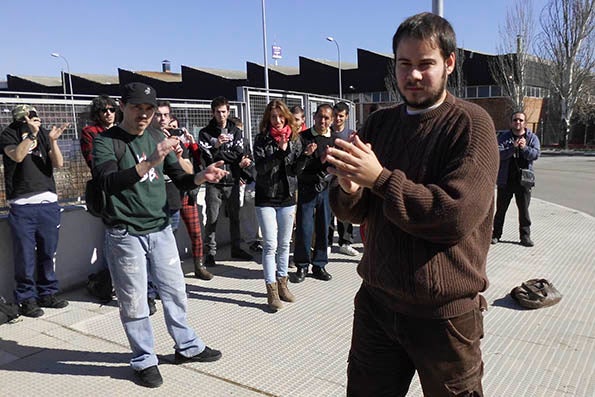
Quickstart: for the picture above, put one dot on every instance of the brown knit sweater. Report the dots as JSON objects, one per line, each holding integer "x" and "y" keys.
{"x": 429, "y": 214}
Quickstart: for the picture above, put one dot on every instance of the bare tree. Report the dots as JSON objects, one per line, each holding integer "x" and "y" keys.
{"x": 456, "y": 80}
{"x": 566, "y": 45}
{"x": 390, "y": 80}
{"x": 509, "y": 67}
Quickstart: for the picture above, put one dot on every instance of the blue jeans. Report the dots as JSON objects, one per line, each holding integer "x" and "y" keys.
{"x": 313, "y": 214}
{"x": 276, "y": 224}
{"x": 130, "y": 258}
{"x": 174, "y": 219}
{"x": 35, "y": 229}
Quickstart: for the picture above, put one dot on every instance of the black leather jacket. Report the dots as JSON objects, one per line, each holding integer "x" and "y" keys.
{"x": 231, "y": 152}
{"x": 269, "y": 158}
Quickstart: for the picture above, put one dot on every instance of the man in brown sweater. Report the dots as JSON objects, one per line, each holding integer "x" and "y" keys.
{"x": 421, "y": 175}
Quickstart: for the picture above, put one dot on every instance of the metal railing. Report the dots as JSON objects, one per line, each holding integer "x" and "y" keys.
{"x": 55, "y": 109}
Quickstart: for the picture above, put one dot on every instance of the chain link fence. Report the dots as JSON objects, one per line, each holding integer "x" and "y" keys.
{"x": 192, "y": 114}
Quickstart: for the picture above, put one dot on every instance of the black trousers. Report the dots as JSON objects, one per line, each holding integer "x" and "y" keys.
{"x": 344, "y": 230}
{"x": 522, "y": 197}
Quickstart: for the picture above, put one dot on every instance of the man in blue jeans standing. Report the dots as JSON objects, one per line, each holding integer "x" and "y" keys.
{"x": 139, "y": 238}
{"x": 30, "y": 154}
{"x": 313, "y": 208}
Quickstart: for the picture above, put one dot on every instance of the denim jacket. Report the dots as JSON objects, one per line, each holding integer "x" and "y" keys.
{"x": 526, "y": 156}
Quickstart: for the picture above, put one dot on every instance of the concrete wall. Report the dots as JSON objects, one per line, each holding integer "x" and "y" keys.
{"x": 80, "y": 247}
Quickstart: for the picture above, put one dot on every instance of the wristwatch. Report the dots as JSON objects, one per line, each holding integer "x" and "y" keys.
{"x": 31, "y": 136}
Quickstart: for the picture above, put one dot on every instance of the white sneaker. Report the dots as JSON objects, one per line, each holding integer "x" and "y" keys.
{"x": 347, "y": 249}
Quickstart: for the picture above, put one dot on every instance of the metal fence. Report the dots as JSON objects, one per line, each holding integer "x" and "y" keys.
{"x": 256, "y": 101}
{"x": 192, "y": 114}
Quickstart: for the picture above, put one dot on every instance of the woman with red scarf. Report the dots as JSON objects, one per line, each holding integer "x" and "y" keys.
{"x": 279, "y": 156}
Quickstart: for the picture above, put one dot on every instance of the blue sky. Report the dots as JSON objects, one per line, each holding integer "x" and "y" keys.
{"x": 98, "y": 36}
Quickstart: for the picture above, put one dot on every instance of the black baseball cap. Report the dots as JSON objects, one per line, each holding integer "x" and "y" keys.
{"x": 139, "y": 93}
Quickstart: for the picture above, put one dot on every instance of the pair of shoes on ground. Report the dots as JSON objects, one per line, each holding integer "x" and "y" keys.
{"x": 32, "y": 307}
{"x": 347, "y": 249}
{"x": 318, "y": 272}
{"x": 151, "y": 377}
{"x": 256, "y": 246}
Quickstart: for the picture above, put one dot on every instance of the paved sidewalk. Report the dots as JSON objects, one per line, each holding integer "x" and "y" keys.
{"x": 302, "y": 349}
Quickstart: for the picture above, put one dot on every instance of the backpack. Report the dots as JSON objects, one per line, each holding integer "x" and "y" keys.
{"x": 8, "y": 311}
{"x": 536, "y": 293}
{"x": 96, "y": 199}
{"x": 99, "y": 285}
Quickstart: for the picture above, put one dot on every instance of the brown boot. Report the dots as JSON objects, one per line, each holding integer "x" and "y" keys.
{"x": 284, "y": 292}
{"x": 273, "y": 297}
{"x": 200, "y": 271}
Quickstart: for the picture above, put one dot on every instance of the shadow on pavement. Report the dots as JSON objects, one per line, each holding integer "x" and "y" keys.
{"x": 47, "y": 360}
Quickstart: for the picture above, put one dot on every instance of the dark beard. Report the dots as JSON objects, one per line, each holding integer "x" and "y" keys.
{"x": 429, "y": 102}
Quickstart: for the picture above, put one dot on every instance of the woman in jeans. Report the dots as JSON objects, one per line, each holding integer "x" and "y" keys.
{"x": 279, "y": 156}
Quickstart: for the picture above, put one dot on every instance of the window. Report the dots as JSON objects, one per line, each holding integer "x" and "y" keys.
{"x": 471, "y": 92}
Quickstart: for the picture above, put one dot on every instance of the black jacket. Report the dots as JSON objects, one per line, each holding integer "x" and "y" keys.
{"x": 269, "y": 159}
{"x": 230, "y": 152}
{"x": 315, "y": 177}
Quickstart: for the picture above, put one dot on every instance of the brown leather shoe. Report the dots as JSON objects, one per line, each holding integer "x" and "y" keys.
{"x": 284, "y": 292}
{"x": 200, "y": 271}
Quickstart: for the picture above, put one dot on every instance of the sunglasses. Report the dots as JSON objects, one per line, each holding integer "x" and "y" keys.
{"x": 110, "y": 110}
{"x": 521, "y": 120}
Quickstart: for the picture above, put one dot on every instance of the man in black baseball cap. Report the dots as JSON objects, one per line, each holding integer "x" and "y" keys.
{"x": 139, "y": 93}
{"x": 139, "y": 238}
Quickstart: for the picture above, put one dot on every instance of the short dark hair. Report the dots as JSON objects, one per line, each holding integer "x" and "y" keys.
{"x": 164, "y": 103}
{"x": 341, "y": 107}
{"x": 219, "y": 101}
{"x": 427, "y": 27}
{"x": 517, "y": 112}
{"x": 323, "y": 106}
{"x": 98, "y": 104}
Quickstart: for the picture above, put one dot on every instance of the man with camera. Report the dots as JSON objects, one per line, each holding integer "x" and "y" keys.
{"x": 30, "y": 154}
{"x": 313, "y": 209}
{"x": 519, "y": 148}
{"x": 222, "y": 140}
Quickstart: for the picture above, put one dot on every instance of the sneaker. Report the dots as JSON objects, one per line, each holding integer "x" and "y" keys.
{"x": 256, "y": 246}
{"x": 52, "y": 302}
{"x": 152, "y": 306}
{"x": 238, "y": 253}
{"x": 210, "y": 260}
{"x": 495, "y": 240}
{"x": 347, "y": 249}
{"x": 149, "y": 377}
{"x": 29, "y": 308}
{"x": 206, "y": 356}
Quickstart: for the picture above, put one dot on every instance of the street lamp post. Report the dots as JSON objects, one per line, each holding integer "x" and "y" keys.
{"x": 56, "y": 55}
{"x": 264, "y": 47}
{"x": 339, "y": 64}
